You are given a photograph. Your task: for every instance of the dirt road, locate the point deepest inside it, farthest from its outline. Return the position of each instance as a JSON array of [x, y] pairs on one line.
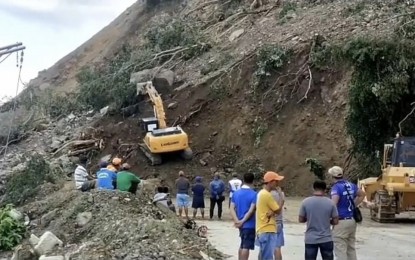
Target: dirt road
[[374, 240]]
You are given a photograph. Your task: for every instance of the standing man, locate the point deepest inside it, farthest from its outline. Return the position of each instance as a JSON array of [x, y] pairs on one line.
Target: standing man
[[83, 181], [217, 188], [279, 197], [182, 196], [343, 194], [242, 211], [234, 185], [266, 209], [198, 201], [319, 212]]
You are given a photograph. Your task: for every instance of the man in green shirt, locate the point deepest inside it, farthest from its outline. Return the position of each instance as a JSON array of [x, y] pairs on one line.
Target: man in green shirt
[[127, 181]]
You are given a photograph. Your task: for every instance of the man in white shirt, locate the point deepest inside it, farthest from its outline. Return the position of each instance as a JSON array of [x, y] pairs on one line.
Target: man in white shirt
[[234, 185], [83, 181]]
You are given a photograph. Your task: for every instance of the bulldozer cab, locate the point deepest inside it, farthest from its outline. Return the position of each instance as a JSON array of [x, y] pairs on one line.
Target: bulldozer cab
[[400, 153]]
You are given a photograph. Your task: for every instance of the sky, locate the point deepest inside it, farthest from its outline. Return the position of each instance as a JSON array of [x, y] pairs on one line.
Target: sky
[[49, 29]]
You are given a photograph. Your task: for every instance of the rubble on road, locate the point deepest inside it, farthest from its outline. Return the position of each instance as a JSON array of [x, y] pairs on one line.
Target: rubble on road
[[111, 225]]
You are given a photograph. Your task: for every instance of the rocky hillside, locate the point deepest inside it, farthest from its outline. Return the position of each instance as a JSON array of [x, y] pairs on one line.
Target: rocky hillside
[[255, 88]]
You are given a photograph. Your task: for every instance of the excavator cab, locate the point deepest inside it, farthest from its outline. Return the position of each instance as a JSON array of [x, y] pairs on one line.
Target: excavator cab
[[160, 138]]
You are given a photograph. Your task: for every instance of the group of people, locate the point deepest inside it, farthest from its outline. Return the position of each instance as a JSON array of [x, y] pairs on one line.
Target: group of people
[[110, 176], [217, 190], [329, 218], [330, 223]]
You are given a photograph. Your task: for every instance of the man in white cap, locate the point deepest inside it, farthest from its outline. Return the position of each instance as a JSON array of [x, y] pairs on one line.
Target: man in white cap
[[346, 196]]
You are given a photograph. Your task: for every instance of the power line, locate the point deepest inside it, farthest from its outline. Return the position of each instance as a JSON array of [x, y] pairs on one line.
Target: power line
[[5, 58], [14, 103]]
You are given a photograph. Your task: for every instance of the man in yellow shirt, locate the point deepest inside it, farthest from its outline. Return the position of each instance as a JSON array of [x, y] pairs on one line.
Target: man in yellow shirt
[[266, 209]]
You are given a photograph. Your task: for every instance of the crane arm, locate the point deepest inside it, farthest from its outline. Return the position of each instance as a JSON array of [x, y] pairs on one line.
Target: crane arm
[[157, 103]]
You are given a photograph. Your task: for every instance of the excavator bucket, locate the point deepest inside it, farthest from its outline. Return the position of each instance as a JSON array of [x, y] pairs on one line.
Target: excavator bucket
[[141, 88]]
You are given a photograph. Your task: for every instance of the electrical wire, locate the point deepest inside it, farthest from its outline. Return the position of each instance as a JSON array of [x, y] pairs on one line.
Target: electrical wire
[[5, 57], [14, 103]]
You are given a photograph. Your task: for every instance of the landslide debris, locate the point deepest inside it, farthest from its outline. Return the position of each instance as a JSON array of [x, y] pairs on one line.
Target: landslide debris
[[115, 225]]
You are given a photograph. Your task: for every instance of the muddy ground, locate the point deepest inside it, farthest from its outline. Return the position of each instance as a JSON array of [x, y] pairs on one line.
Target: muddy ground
[[373, 239]]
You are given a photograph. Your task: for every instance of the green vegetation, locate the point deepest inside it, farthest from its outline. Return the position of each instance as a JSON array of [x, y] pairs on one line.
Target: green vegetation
[[354, 9], [287, 12], [258, 130], [12, 231], [171, 33], [316, 168], [270, 59], [252, 165], [380, 93], [25, 184], [219, 90], [109, 83]]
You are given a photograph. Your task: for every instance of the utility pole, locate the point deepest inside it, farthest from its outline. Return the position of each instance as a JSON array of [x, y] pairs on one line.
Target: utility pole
[[11, 48]]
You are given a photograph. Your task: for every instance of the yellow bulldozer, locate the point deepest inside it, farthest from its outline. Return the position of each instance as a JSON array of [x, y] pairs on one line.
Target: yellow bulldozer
[[393, 192], [159, 138]]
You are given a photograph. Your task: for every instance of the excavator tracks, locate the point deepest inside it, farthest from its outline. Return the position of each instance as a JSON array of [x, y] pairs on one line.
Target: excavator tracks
[[155, 159], [384, 209]]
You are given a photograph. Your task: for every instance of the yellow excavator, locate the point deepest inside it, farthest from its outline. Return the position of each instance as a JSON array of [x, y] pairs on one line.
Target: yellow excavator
[[159, 138], [393, 192]]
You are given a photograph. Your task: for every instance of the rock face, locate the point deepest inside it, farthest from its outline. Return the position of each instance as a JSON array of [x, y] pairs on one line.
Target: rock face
[[47, 242]]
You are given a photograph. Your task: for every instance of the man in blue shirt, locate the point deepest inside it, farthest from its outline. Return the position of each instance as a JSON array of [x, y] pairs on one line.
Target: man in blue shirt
[[217, 188], [342, 194], [242, 210], [106, 179]]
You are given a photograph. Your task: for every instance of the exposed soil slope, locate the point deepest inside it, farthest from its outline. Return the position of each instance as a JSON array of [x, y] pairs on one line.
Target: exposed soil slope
[[303, 111]]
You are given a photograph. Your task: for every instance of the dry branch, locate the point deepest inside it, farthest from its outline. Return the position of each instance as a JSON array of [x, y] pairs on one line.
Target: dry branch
[[18, 139], [216, 75], [406, 117], [183, 120], [81, 151], [78, 145], [201, 7], [309, 85]]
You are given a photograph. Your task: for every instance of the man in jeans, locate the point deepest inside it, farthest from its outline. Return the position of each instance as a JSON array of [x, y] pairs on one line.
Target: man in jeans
[[279, 197], [266, 209], [319, 212], [217, 188], [182, 196], [242, 212], [344, 234]]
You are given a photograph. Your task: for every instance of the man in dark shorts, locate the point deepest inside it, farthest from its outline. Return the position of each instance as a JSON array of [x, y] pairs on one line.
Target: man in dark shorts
[[198, 201], [243, 214], [319, 212]]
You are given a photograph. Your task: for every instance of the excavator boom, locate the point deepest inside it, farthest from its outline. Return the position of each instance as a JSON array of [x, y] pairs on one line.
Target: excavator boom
[[150, 90], [160, 138]]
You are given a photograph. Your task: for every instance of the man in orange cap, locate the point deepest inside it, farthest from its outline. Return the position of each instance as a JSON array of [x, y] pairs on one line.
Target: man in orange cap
[[115, 165], [266, 209]]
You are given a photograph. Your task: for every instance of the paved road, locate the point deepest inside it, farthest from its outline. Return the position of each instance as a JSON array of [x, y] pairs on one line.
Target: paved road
[[375, 241]]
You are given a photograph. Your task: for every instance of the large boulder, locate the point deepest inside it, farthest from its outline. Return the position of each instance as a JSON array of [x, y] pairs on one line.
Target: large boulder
[[163, 79]]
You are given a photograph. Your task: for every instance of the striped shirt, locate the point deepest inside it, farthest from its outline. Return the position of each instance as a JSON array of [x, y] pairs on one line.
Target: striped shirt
[[80, 176]]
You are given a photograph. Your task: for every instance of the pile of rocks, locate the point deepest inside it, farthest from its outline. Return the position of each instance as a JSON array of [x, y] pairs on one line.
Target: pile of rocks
[[113, 225]]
